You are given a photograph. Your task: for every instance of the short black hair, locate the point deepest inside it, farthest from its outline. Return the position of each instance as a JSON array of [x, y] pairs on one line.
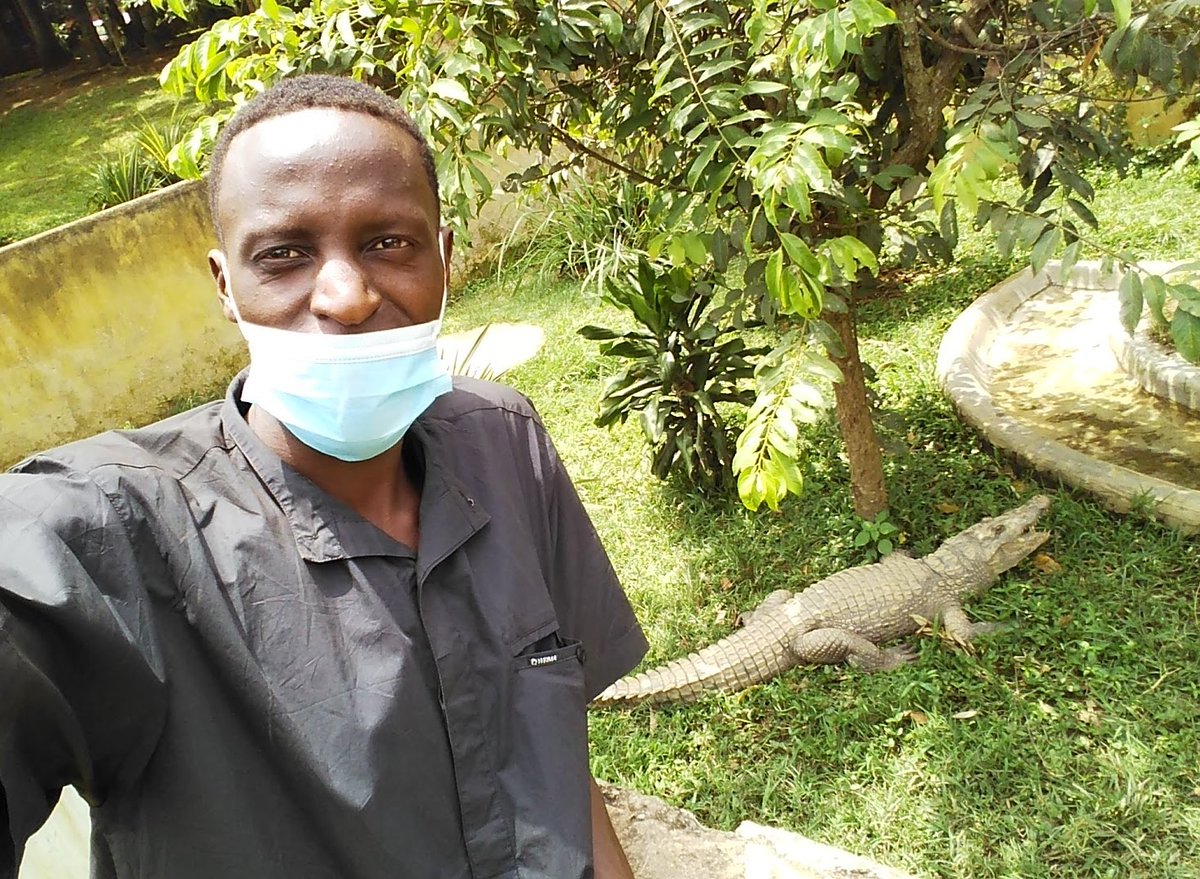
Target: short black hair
[[306, 92]]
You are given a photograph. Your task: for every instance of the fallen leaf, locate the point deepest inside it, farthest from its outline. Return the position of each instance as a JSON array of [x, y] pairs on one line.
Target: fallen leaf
[[964, 715], [1046, 563], [721, 615], [1047, 709], [948, 508], [1089, 715]]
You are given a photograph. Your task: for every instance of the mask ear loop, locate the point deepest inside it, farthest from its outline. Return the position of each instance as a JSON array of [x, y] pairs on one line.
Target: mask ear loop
[[445, 279], [229, 291]]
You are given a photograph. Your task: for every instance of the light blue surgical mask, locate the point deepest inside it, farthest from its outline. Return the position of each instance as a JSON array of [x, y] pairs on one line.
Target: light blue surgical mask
[[351, 395]]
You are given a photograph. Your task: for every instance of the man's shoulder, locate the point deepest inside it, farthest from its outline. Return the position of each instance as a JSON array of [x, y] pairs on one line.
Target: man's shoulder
[[171, 447], [477, 400]]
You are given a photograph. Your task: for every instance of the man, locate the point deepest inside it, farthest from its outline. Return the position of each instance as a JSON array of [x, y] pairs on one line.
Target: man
[[343, 624]]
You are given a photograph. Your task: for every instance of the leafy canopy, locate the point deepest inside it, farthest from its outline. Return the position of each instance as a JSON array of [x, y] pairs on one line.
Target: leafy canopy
[[784, 146]]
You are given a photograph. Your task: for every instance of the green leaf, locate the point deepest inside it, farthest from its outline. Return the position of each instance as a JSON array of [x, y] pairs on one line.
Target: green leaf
[[800, 254], [763, 87], [597, 334], [270, 9], [693, 246], [677, 251], [1031, 120], [345, 28], [701, 161], [612, 23], [1154, 291], [451, 90], [774, 274], [1044, 249], [1121, 12], [751, 489], [1130, 294], [1069, 258], [1185, 332], [835, 38], [1083, 212]]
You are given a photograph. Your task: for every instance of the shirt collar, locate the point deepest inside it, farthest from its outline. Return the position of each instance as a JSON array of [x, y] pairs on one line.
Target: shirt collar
[[327, 530]]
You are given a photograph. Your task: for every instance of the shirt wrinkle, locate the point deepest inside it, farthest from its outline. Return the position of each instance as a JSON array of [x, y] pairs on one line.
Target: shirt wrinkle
[[329, 702]]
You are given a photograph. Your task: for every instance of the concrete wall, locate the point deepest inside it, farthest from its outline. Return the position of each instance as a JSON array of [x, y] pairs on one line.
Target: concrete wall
[[105, 320]]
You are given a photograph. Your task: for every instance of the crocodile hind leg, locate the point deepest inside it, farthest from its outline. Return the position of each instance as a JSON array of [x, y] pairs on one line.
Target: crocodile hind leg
[[776, 598], [830, 646]]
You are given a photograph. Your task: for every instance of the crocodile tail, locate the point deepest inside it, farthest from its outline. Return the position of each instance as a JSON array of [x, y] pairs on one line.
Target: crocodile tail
[[731, 663]]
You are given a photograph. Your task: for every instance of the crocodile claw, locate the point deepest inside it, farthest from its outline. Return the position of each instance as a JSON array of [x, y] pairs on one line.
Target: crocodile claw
[[894, 657]]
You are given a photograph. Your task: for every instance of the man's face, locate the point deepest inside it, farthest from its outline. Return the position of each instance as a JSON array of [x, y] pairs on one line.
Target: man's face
[[330, 226]]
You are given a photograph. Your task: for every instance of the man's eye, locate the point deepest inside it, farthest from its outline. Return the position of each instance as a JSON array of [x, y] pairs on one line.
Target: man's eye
[[282, 253], [390, 243]]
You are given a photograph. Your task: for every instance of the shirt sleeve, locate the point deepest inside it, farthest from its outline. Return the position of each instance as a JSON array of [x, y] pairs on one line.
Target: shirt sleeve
[[588, 598], [81, 687]]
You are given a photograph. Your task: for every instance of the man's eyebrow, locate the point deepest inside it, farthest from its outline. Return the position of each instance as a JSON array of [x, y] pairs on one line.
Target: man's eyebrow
[[264, 234]]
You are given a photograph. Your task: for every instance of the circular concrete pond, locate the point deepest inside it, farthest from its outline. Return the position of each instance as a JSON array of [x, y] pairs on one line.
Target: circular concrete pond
[[1031, 365]]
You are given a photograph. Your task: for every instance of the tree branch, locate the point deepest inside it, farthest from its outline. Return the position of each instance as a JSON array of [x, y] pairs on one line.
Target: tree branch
[[580, 147], [928, 89]]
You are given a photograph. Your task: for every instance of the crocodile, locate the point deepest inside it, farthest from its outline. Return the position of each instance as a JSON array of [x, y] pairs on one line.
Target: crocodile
[[846, 616]]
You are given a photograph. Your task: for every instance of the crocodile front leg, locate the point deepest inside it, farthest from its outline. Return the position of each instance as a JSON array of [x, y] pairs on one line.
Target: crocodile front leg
[[960, 628], [831, 646]]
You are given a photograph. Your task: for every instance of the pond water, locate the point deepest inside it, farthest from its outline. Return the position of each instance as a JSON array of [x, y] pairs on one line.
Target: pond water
[[1053, 368]]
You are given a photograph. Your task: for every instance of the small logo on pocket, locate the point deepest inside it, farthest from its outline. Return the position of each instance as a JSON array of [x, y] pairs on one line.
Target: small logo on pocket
[[543, 660]]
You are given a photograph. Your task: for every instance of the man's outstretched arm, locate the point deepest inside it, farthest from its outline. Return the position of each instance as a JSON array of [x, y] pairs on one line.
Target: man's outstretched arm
[[607, 853]]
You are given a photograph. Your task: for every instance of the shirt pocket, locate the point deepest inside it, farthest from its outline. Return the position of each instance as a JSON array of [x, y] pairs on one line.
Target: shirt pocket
[[550, 650], [546, 771]]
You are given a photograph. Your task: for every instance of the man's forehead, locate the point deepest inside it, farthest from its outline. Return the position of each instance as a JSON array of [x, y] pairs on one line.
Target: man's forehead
[[298, 134], [282, 157]]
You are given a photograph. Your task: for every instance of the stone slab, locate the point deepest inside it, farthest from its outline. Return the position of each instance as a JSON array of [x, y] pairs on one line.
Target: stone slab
[[665, 842]]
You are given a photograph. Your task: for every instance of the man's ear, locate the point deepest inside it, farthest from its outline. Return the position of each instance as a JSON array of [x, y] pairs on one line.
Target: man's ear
[[447, 236], [219, 269]]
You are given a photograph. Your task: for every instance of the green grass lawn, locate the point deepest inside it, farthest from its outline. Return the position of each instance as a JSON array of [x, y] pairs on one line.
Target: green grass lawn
[[1068, 746], [51, 141]]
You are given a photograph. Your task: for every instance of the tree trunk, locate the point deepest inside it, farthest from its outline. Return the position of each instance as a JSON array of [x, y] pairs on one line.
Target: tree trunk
[[854, 419], [93, 49], [135, 33], [928, 88], [50, 52], [114, 26], [150, 27], [11, 60]]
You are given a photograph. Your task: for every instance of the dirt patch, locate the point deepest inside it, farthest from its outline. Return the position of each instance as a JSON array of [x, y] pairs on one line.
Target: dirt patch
[[59, 86]]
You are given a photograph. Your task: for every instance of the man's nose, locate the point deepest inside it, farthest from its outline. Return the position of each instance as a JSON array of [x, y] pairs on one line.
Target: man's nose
[[342, 293]]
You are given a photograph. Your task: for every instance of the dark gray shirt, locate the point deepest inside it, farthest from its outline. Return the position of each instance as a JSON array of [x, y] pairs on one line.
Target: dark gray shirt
[[246, 678]]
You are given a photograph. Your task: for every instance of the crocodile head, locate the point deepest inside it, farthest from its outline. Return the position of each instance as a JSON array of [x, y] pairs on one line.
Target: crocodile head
[[1001, 541]]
